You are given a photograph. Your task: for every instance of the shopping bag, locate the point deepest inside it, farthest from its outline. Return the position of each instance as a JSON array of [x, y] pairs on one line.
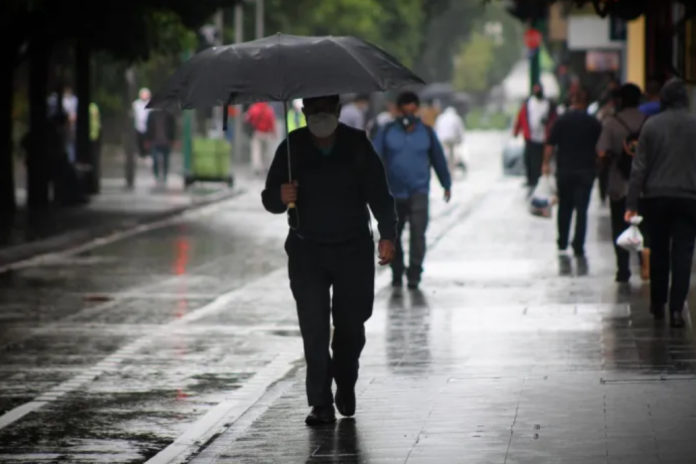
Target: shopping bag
[[543, 197], [631, 239]]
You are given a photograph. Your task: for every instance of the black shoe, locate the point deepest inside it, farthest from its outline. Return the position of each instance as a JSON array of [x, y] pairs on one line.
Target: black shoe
[[345, 401], [623, 277], [397, 283], [676, 320], [658, 312], [413, 285], [321, 415]]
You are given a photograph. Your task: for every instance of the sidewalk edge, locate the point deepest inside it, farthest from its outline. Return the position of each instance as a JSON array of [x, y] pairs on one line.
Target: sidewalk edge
[[14, 255]]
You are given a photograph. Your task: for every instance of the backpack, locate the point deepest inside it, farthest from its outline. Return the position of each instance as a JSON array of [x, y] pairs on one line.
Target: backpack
[[630, 145], [431, 136]]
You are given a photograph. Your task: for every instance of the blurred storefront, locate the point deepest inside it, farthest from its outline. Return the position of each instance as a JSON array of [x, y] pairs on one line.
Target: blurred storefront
[[635, 40]]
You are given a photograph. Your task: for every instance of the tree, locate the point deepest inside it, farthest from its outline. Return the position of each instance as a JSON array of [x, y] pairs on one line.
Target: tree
[[127, 29], [490, 52], [445, 23], [473, 63], [392, 25]]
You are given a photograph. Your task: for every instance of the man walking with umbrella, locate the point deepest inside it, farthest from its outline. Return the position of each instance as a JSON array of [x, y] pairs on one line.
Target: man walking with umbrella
[[337, 175]]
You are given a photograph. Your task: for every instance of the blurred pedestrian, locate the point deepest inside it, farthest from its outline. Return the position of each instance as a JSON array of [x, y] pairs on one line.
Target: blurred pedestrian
[[353, 114], [262, 120], [409, 149], [449, 128], [337, 175], [159, 140], [70, 108], [95, 132], [429, 113], [664, 174], [534, 121], [383, 118], [652, 91], [574, 139], [613, 148], [140, 115], [296, 118]]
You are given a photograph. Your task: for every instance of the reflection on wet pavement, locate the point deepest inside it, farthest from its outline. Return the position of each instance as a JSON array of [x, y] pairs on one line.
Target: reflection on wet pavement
[[506, 355]]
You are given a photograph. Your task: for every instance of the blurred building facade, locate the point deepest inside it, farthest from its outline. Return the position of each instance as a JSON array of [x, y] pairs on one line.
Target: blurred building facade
[[634, 40]]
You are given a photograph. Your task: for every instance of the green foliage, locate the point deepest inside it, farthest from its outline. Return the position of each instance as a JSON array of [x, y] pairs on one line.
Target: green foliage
[[392, 25], [484, 60], [478, 119], [473, 63]]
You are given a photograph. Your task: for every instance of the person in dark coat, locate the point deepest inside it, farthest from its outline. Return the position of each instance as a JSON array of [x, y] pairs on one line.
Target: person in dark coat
[[663, 176], [337, 179], [160, 139]]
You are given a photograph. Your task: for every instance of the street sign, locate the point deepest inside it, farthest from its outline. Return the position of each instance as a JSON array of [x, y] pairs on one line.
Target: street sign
[[532, 39]]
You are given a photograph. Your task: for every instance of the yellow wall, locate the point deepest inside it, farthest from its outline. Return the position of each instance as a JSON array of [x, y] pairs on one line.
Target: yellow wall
[[635, 52]]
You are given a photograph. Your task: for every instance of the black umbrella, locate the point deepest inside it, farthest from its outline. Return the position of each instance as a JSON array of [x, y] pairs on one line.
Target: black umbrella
[[282, 68]]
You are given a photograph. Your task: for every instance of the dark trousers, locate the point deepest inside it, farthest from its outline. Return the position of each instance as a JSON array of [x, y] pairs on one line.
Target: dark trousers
[[160, 161], [574, 192], [603, 181], [533, 161], [314, 270], [415, 211], [140, 141], [618, 226], [671, 225]]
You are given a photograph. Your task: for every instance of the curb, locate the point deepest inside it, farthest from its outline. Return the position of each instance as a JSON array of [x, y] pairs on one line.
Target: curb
[[15, 254]]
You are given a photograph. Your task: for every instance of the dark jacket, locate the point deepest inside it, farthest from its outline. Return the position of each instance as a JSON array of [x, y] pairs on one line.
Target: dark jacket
[[168, 124], [334, 189], [665, 163]]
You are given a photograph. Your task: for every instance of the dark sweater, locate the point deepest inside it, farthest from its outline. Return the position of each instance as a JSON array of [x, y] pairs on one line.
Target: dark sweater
[[334, 190], [665, 163]]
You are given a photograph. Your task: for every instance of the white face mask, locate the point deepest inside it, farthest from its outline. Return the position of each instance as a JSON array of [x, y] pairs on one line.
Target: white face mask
[[322, 125]]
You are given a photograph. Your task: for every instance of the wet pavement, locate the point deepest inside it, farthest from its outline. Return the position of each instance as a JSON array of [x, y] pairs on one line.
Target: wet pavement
[[114, 209], [181, 343]]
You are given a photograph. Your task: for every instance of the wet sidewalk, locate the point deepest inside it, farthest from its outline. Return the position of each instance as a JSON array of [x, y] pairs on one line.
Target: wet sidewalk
[[507, 355], [114, 209]]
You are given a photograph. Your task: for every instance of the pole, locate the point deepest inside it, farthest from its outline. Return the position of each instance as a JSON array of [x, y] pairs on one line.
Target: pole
[[186, 133], [238, 127], [130, 143], [260, 13], [535, 60], [219, 26]]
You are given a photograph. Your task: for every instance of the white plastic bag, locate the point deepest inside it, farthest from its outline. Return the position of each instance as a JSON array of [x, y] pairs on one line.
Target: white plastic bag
[[631, 239], [543, 197]]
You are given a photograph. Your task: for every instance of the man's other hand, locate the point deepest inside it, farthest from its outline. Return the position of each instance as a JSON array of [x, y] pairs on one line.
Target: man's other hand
[[386, 252], [288, 193], [448, 196]]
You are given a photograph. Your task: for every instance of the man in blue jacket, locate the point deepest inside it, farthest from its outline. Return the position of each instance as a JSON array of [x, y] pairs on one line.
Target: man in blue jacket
[[408, 149]]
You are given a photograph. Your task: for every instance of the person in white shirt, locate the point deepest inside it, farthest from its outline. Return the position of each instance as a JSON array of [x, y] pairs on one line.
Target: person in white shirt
[[534, 121], [70, 109], [140, 115], [449, 128]]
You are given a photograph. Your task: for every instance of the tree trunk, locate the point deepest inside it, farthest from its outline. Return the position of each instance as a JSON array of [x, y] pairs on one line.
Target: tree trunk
[[85, 154], [38, 171], [8, 203]]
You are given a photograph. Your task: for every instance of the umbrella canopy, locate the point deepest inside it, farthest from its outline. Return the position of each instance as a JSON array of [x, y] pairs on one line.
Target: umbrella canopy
[[282, 68]]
